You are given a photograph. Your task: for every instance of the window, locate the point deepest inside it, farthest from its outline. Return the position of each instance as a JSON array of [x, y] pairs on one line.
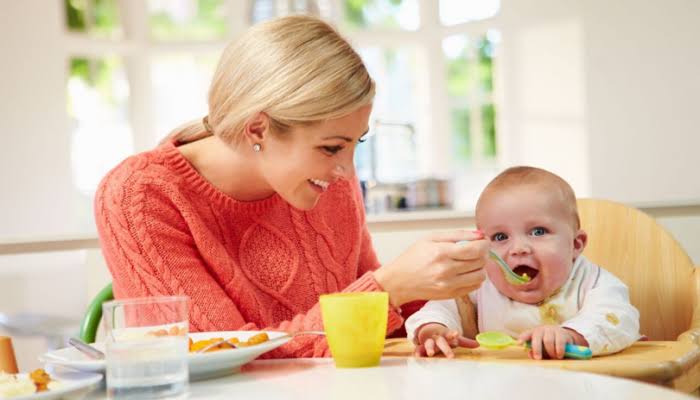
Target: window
[[453, 12], [97, 18], [470, 92], [381, 14], [187, 19], [98, 94], [142, 76], [175, 100]]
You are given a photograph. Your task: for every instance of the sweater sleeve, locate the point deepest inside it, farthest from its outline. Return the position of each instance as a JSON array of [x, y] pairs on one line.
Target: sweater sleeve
[[151, 252], [607, 319]]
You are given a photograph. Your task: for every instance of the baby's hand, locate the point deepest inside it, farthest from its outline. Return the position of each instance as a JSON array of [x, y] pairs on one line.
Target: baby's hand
[[433, 336], [550, 339]]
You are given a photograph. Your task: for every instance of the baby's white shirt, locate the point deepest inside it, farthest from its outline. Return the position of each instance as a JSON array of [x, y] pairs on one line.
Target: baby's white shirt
[[593, 302]]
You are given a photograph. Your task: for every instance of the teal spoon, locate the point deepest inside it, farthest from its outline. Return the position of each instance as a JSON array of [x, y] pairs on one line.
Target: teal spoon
[[511, 277]]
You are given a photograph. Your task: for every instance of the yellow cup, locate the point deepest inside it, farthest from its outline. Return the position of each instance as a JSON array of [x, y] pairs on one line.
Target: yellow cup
[[355, 325]]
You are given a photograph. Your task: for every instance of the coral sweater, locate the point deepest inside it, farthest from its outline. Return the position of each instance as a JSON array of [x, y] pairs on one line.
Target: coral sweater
[[165, 230]]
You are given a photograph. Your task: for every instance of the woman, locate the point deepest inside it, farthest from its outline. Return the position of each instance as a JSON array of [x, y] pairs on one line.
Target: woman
[[255, 211]]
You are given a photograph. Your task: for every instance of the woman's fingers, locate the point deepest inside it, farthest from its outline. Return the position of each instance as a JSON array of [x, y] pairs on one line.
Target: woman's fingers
[[463, 284], [471, 251]]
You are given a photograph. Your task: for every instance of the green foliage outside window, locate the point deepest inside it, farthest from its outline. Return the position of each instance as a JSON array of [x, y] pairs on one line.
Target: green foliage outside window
[[461, 139], [357, 13], [208, 22], [466, 75], [97, 73], [488, 120], [97, 17]]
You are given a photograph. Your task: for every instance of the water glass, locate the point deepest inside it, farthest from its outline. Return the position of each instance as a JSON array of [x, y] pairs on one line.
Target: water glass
[[355, 325], [146, 348]]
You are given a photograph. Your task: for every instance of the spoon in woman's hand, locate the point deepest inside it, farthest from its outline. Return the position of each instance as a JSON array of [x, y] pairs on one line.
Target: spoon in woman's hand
[[511, 277]]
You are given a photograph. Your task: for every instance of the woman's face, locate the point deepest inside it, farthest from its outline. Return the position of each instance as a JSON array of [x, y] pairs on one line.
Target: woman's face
[[301, 164]]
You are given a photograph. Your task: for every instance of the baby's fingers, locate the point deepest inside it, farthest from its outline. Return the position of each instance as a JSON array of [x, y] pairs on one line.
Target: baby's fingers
[[430, 347], [525, 336], [420, 350], [562, 339], [444, 347], [549, 341], [466, 342], [536, 341]]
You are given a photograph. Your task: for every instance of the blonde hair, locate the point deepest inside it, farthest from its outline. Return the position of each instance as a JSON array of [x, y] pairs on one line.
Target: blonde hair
[[524, 175], [297, 69]]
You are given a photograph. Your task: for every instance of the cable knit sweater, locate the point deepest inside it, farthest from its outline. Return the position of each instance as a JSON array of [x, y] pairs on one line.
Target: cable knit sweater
[[165, 230]]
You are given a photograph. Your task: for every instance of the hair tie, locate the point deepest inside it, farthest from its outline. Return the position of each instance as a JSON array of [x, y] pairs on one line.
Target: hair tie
[[207, 127]]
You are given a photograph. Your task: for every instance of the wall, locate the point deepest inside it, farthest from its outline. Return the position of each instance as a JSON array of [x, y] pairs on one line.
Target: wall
[[643, 94], [605, 94], [35, 155]]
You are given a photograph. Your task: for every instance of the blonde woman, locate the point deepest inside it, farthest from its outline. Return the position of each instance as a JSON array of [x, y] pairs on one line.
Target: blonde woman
[[255, 211]]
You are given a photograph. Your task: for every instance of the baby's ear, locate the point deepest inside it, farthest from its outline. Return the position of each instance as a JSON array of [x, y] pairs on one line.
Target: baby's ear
[[580, 241]]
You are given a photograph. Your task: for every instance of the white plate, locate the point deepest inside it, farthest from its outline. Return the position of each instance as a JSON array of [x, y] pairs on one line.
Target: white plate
[[72, 383], [202, 366]]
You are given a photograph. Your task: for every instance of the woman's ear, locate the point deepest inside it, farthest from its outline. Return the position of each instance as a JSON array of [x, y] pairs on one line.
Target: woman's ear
[[256, 128], [580, 241]]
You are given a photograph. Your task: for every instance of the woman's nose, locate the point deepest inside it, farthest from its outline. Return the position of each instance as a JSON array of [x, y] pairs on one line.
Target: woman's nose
[[344, 170]]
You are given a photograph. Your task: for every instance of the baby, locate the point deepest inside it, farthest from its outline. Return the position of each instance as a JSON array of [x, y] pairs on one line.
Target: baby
[[531, 219]]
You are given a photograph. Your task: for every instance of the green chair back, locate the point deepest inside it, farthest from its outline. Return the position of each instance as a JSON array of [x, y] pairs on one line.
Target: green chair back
[[93, 315]]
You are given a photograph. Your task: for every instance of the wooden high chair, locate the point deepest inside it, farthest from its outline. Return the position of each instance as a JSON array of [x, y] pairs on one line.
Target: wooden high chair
[[664, 284]]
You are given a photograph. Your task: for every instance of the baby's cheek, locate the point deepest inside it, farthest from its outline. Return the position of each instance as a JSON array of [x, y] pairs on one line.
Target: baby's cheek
[[556, 277], [493, 273]]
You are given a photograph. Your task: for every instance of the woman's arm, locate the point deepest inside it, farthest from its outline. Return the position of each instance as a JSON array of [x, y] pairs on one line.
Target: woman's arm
[[151, 252]]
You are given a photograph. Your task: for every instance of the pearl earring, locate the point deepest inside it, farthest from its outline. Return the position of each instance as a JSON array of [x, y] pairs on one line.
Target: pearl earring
[[257, 147]]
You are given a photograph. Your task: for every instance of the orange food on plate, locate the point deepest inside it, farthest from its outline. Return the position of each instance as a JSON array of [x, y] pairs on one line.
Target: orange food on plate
[[41, 379], [230, 343]]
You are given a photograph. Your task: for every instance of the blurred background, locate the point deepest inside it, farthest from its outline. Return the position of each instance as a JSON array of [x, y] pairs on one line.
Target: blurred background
[[602, 93]]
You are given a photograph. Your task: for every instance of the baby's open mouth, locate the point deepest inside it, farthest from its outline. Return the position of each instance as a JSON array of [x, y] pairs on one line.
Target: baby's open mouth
[[526, 269]]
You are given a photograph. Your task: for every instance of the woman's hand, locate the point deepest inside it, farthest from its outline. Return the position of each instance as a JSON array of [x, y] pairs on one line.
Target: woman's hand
[[435, 338], [436, 268]]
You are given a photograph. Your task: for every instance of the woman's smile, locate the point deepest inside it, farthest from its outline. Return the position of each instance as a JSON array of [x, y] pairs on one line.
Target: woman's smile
[[319, 185]]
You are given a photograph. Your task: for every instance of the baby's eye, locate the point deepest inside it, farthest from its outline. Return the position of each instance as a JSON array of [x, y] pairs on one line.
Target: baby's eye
[[499, 237], [332, 149], [539, 231]]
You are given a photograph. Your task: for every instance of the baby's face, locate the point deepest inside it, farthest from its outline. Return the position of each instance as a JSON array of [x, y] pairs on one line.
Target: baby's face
[[533, 232]]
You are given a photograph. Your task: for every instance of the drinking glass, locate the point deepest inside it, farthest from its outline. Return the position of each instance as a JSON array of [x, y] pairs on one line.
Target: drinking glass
[[146, 348], [355, 325]]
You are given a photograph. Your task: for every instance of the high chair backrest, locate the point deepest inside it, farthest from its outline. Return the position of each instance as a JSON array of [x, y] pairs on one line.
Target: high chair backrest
[[664, 284]]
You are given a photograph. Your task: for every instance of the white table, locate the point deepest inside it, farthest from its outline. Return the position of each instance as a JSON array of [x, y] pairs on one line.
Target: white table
[[423, 379]]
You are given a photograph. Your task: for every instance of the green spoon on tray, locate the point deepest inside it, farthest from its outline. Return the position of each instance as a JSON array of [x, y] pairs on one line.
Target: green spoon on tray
[[500, 340]]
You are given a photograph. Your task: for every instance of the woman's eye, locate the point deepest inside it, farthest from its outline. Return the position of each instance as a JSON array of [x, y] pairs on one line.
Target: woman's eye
[[332, 149], [499, 237], [539, 231], [362, 139]]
